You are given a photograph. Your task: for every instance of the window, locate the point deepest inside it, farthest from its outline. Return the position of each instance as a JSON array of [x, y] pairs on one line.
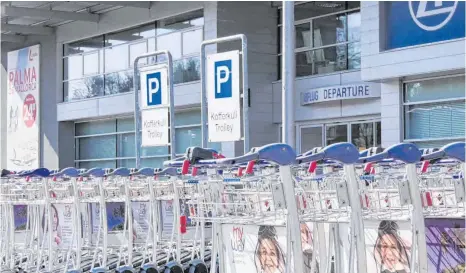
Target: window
[[327, 37], [363, 134], [103, 65], [434, 111], [111, 143]]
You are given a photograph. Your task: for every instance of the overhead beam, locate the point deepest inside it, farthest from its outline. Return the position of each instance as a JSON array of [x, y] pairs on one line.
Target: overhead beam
[[49, 14], [37, 30], [18, 39], [133, 4]]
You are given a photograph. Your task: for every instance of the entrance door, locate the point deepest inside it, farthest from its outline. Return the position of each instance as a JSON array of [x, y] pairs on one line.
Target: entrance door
[[311, 137]]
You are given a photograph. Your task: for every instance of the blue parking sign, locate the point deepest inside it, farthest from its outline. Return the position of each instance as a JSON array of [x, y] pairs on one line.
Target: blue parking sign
[[154, 89], [223, 81]]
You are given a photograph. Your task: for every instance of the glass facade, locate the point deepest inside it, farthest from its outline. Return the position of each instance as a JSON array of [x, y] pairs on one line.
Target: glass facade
[[327, 36], [363, 134], [111, 143], [434, 111], [102, 65]]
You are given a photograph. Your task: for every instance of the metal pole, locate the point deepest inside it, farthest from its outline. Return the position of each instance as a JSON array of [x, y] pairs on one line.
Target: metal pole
[[288, 74], [244, 53], [137, 110]]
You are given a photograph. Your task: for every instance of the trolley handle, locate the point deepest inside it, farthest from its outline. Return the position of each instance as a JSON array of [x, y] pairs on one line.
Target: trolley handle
[[171, 171], [144, 172], [278, 153], [95, 172], [119, 172], [41, 172], [405, 152], [453, 150], [69, 172], [343, 152]]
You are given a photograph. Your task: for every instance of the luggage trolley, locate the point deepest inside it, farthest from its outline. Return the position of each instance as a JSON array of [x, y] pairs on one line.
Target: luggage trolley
[[326, 201], [442, 182], [262, 199], [22, 199], [392, 209]]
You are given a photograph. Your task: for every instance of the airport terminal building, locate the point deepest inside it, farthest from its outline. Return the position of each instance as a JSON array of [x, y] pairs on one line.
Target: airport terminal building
[[370, 73]]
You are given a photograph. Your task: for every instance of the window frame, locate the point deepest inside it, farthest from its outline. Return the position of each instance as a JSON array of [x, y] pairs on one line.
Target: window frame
[[406, 104], [311, 48], [101, 56]]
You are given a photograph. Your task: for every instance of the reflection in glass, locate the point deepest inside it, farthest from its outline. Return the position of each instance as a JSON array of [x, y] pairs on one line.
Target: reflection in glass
[[317, 8], [84, 88], [329, 30], [304, 63], [130, 35], [119, 82], [116, 58], [435, 120], [303, 35], [336, 133], [362, 135], [126, 163], [91, 63], [435, 89], [186, 70], [73, 67], [354, 26], [330, 59], [125, 145], [182, 21], [95, 127], [311, 137], [84, 46], [187, 137], [153, 162], [97, 147], [96, 164], [354, 55]]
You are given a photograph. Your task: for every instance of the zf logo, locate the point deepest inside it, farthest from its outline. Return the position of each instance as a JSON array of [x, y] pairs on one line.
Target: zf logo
[[432, 15], [154, 92], [223, 84]]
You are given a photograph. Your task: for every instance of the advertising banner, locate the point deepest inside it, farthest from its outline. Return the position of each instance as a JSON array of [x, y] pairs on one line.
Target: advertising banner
[[445, 245], [223, 97], [23, 108], [254, 249]]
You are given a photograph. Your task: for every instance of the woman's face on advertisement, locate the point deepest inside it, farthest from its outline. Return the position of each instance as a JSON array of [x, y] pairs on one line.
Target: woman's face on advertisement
[[268, 256], [389, 252], [55, 218], [304, 235]]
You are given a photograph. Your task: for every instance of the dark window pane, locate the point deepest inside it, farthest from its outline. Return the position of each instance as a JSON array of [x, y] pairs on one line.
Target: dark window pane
[[84, 46], [156, 162], [130, 35], [378, 133], [303, 35], [186, 70], [188, 118], [317, 8], [187, 137], [354, 55], [182, 21], [362, 135], [330, 59], [84, 88], [329, 30], [125, 124], [119, 82], [353, 4], [336, 133], [311, 137], [126, 163], [125, 145], [304, 63], [97, 164]]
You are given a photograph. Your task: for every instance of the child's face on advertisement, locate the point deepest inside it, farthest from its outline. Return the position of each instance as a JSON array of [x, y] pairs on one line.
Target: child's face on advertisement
[[268, 256]]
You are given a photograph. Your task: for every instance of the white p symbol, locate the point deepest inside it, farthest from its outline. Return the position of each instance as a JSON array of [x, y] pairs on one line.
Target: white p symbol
[[153, 88], [223, 74]]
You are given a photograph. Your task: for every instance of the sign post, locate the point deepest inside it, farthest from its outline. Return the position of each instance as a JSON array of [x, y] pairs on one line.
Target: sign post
[[154, 113], [220, 91]]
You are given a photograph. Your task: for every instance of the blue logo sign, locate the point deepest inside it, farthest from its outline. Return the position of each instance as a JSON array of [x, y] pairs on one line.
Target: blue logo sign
[[223, 83], [411, 23], [154, 89]]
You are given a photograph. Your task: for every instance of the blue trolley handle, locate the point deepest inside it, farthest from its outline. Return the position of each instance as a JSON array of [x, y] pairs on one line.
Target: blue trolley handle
[[405, 152], [278, 153], [41, 172], [95, 172], [171, 171], [343, 152], [143, 172], [453, 150]]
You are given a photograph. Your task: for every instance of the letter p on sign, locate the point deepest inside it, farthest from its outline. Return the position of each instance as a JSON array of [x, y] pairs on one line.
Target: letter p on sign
[[154, 92], [223, 83]]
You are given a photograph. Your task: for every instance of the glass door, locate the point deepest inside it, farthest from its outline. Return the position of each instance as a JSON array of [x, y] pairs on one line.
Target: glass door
[[336, 133], [311, 137]]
